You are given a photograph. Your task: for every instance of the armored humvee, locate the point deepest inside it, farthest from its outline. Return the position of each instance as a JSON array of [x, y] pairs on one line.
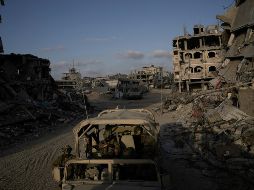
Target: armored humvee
[[117, 133], [114, 150]]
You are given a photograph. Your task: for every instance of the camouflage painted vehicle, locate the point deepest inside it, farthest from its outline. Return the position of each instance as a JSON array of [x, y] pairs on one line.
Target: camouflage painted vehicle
[[111, 174], [117, 133]]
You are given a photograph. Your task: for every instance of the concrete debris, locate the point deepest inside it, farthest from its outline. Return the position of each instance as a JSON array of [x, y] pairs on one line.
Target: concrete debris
[[30, 103], [220, 133], [239, 46]]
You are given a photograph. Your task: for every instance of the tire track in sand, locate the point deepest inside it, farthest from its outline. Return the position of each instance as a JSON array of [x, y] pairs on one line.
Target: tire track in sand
[[31, 168]]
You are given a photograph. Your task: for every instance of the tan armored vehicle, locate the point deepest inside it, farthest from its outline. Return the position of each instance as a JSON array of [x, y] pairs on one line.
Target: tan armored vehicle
[[114, 150], [117, 133], [109, 174]]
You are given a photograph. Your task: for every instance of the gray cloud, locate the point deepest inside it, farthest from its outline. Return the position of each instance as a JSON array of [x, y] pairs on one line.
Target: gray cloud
[[161, 54], [50, 49], [131, 54]]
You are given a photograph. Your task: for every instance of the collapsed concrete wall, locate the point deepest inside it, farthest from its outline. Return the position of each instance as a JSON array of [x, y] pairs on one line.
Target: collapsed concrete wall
[[238, 27], [30, 103], [246, 100], [26, 74], [221, 134]]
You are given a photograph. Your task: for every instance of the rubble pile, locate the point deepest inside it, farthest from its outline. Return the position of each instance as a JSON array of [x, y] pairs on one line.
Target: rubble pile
[[30, 103], [221, 134], [176, 100]]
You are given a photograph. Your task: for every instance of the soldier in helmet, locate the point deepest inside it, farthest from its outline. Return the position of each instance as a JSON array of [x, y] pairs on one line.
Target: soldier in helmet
[[61, 160]]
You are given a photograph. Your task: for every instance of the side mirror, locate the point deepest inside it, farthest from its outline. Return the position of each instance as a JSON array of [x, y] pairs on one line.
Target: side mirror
[[165, 181], [57, 174]]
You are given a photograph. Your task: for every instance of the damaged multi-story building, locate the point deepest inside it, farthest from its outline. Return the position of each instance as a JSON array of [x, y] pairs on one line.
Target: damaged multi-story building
[[238, 66], [238, 25], [71, 80], [196, 57], [27, 75], [151, 76]]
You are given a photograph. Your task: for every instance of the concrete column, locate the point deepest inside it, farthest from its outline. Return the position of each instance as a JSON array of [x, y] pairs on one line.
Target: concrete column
[[188, 86], [231, 39], [185, 45], [180, 87], [200, 43]]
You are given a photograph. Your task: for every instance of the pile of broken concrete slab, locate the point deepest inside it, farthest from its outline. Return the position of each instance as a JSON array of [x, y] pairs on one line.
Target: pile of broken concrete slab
[[30, 103], [220, 133]]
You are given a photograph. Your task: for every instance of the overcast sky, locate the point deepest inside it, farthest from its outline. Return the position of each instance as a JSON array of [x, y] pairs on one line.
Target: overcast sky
[[102, 36]]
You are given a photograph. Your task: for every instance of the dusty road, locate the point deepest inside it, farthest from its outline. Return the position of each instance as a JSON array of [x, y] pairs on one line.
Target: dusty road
[[30, 167]]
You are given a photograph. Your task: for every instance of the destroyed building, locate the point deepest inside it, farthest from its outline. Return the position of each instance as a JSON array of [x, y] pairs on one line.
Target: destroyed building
[[238, 24], [71, 80], [196, 57], [238, 66], [25, 74], [30, 103], [129, 89], [151, 76]]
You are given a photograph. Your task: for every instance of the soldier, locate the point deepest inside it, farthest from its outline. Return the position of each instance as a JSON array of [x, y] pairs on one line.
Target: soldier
[[61, 160], [88, 146]]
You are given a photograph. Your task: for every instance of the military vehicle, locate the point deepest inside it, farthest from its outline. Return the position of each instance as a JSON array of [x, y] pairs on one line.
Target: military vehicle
[[109, 174], [114, 150], [117, 133]]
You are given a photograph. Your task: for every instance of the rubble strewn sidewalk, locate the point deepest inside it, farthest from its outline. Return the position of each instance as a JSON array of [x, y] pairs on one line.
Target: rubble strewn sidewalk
[[217, 134]]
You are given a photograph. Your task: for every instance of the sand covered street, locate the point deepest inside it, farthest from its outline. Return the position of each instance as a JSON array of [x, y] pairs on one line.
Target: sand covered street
[[29, 166]]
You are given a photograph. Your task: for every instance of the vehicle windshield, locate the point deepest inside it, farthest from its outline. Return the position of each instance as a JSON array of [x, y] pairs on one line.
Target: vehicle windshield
[[87, 172], [134, 172], [116, 141]]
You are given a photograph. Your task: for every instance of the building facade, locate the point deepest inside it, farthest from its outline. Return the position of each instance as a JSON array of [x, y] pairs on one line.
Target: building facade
[[151, 76], [196, 57]]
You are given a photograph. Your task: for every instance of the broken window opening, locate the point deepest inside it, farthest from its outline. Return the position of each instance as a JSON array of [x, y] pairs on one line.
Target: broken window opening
[[212, 69], [197, 55], [211, 54], [181, 44], [188, 56], [196, 30], [181, 57], [212, 41], [175, 43], [193, 43], [198, 69]]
